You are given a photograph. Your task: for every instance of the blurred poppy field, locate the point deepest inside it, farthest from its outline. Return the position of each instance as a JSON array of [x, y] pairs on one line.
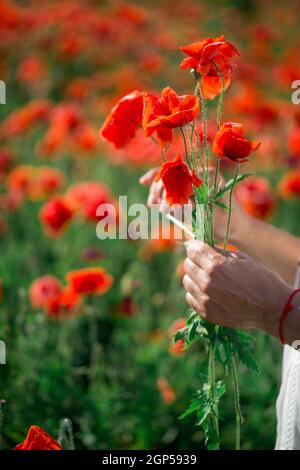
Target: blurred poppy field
[[88, 323]]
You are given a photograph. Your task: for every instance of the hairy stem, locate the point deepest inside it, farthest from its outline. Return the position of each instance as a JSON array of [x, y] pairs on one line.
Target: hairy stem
[[230, 207], [238, 413]]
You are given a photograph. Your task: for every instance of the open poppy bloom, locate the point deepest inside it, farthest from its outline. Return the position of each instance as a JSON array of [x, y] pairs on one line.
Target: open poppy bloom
[[230, 143], [163, 114], [178, 181], [206, 57], [55, 215], [38, 439], [126, 116], [90, 281]]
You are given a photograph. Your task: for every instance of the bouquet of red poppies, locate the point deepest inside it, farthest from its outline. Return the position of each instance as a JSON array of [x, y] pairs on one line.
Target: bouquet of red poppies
[[195, 173]]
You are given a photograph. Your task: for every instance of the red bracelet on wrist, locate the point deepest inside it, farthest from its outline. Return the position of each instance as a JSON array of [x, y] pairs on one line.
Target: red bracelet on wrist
[[287, 308]]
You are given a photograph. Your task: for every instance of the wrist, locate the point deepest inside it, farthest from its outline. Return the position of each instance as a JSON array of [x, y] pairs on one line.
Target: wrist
[[290, 323], [272, 317]]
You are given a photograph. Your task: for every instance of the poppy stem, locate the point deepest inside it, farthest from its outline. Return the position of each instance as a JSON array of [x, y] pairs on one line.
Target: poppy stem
[[238, 413], [230, 206], [219, 118], [206, 152], [212, 383], [185, 148], [192, 125]]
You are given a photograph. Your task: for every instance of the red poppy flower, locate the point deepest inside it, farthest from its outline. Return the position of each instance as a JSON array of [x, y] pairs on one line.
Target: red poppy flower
[[90, 281], [55, 215], [165, 389], [85, 198], [48, 180], [31, 70], [163, 114], [65, 304], [204, 56], [230, 143], [21, 119], [6, 161], [294, 142], [43, 289], [203, 53], [255, 196], [176, 349], [21, 178], [86, 138], [289, 186], [126, 116], [38, 439], [178, 181]]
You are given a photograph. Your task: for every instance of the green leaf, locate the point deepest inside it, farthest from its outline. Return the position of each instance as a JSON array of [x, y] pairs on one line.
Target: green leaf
[[221, 204], [229, 184]]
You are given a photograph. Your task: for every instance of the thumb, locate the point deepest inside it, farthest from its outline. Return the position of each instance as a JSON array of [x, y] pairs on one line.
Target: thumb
[[148, 177]]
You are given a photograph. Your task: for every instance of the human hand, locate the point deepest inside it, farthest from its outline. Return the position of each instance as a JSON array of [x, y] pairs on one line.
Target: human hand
[[233, 290]]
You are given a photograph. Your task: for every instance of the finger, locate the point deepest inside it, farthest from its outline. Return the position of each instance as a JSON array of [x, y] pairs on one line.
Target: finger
[[192, 302], [148, 177], [155, 193], [191, 287], [231, 254], [202, 254], [197, 274], [164, 207]]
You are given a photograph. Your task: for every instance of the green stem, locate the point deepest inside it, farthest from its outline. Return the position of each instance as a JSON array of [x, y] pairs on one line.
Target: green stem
[[219, 118], [238, 413], [192, 151], [197, 146], [230, 207], [186, 148], [205, 143], [212, 383]]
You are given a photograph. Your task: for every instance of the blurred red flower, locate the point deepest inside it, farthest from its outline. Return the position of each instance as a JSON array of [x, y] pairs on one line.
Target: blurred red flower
[[38, 439], [86, 138], [294, 142], [43, 289], [177, 348], [64, 304], [55, 215], [163, 114], [85, 197], [126, 116], [165, 389], [48, 180], [21, 179], [206, 57], [178, 181], [6, 161], [230, 143], [21, 119], [31, 69], [289, 186], [90, 281], [255, 196]]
